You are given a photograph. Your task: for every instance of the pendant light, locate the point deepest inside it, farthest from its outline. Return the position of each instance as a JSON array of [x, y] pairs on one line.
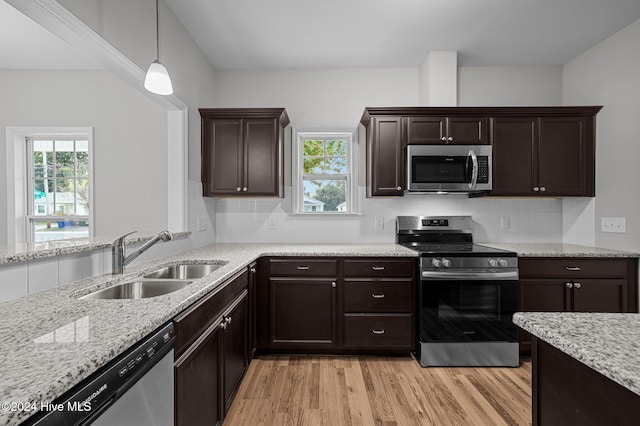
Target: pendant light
[[157, 79]]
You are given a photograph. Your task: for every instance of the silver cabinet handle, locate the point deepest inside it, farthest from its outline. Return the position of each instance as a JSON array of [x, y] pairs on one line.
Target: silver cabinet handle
[[253, 270], [333, 284], [229, 320], [378, 296], [303, 268], [238, 189], [223, 325], [399, 188], [569, 285], [572, 268], [378, 331], [536, 189], [245, 189], [450, 138], [444, 138], [577, 285], [542, 189], [378, 268]]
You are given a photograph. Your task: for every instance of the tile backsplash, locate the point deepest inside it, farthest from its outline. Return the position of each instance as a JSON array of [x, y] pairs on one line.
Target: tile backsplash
[[495, 219]]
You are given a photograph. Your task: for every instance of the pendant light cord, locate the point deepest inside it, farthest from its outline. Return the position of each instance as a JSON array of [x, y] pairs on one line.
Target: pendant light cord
[[157, 33]]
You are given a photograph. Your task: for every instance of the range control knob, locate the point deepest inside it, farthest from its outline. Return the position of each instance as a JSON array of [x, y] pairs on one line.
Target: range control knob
[[446, 263], [502, 262], [436, 263], [493, 262]]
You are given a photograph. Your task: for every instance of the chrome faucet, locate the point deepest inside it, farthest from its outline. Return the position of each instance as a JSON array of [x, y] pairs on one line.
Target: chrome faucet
[[119, 260]]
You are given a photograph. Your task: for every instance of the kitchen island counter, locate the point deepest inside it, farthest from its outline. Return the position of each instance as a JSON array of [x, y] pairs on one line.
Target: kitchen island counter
[[586, 367], [52, 341]]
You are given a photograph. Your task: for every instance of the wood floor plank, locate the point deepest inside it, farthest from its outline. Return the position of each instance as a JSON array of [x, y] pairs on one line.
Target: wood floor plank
[[385, 391]]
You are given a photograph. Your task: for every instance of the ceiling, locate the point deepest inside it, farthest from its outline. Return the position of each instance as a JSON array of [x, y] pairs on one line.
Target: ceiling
[[398, 33], [271, 34]]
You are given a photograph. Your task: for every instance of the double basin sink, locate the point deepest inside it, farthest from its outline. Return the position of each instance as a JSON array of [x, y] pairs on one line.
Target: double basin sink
[[157, 283]]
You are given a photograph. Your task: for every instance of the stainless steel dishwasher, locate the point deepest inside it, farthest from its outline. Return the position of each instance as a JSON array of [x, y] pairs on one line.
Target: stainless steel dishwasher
[[135, 389]]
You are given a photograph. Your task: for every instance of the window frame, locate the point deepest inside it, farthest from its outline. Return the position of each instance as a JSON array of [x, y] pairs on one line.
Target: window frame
[[297, 169], [31, 217]]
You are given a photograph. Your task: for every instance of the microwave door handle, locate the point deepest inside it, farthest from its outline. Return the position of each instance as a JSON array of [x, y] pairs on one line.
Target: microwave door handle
[[474, 172]]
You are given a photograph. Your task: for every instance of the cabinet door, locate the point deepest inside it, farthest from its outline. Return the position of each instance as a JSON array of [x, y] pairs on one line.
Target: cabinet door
[[514, 156], [427, 130], [222, 156], [262, 157], [565, 161], [197, 381], [385, 160], [541, 296], [467, 130], [594, 295], [235, 349], [302, 312]]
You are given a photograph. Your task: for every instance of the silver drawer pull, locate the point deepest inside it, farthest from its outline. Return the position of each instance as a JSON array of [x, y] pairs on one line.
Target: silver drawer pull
[[303, 268], [577, 285], [378, 331], [569, 285], [572, 268], [378, 268], [378, 296]]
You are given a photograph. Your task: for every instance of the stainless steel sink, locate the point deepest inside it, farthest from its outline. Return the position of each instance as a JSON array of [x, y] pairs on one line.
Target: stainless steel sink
[[139, 289], [184, 271]]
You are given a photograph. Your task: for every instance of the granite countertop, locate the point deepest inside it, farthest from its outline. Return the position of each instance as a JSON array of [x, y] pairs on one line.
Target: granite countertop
[[29, 251], [559, 250], [51, 340], [607, 342]]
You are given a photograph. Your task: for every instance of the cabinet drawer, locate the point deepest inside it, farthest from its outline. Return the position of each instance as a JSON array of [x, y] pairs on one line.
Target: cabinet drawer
[[192, 322], [384, 295], [572, 268], [381, 331], [303, 267], [379, 268]]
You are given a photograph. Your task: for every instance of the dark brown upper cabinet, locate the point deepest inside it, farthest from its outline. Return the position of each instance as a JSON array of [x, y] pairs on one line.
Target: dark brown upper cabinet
[[242, 151], [549, 154], [437, 130], [537, 151], [386, 174]]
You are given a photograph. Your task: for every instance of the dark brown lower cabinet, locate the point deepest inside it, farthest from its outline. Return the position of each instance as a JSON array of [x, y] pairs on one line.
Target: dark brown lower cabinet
[[567, 392], [303, 312], [197, 381], [212, 353], [576, 285]]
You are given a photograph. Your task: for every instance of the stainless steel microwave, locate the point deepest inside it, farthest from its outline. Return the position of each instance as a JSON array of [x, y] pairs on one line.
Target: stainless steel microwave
[[448, 168]]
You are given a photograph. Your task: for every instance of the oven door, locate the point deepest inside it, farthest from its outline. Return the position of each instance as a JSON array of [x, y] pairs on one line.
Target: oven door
[[468, 306]]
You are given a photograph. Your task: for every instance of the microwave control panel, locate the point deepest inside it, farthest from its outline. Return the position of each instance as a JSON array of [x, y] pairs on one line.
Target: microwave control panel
[[483, 169]]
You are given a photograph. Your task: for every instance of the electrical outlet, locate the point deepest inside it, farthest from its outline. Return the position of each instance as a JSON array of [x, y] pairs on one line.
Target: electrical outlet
[[271, 224], [614, 224], [379, 222], [202, 224], [505, 222]]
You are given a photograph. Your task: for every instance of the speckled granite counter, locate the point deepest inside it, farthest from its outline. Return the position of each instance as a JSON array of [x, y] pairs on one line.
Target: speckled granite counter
[[559, 250], [28, 251], [608, 343], [51, 341]]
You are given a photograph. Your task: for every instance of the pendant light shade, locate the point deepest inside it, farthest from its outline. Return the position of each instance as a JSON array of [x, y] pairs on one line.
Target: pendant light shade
[[157, 79]]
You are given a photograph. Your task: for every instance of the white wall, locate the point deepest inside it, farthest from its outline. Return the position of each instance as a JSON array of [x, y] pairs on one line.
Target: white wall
[[509, 86], [337, 98], [608, 75], [129, 140]]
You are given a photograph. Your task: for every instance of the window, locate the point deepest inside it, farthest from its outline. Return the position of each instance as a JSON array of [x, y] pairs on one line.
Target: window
[[323, 172], [58, 195]]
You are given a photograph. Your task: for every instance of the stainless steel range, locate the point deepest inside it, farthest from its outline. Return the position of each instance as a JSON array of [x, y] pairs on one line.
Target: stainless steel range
[[467, 294]]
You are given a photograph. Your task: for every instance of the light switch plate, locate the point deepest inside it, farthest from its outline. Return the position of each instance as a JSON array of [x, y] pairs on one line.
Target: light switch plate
[[505, 222], [614, 224]]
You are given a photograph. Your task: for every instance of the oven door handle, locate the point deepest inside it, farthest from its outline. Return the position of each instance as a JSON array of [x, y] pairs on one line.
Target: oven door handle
[[505, 275]]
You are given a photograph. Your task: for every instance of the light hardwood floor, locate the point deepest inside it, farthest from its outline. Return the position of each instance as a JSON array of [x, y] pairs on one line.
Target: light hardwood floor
[[332, 390]]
